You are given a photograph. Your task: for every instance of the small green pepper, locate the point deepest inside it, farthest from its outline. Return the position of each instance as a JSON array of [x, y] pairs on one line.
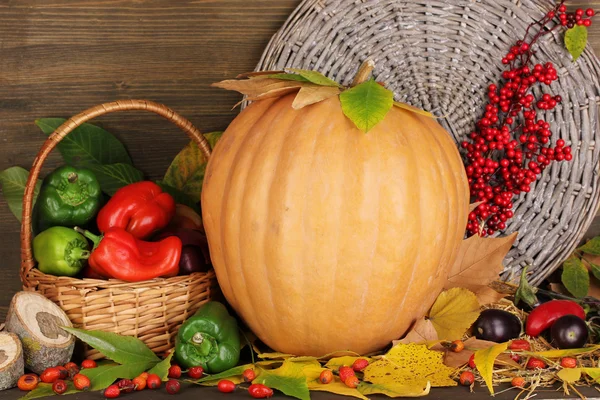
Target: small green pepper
[[60, 251], [69, 197], [210, 339]]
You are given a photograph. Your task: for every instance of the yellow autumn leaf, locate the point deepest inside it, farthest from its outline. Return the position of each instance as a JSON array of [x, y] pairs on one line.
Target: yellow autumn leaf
[[273, 356], [593, 373], [395, 389], [569, 375], [564, 352], [484, 361], [337, 362], [454, 312], [410, 364], [312, 370]]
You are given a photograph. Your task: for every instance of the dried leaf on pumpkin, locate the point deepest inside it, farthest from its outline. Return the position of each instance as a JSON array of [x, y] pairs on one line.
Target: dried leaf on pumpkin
[[422, 331], [484, 361], [313, 94], [478, 263], [394, 389], [410, 364], [453, 313]]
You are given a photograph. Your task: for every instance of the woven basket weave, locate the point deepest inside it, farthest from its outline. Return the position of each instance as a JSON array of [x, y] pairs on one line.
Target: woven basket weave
[[441, 56], [150, 310]]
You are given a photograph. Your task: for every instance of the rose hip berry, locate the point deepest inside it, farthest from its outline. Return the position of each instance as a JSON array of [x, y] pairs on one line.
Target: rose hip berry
[[72, 368], [249, 375], [457, 346], [535, 363], [175, 371], [360, 364], [259, 391], [225, 386], [345, 372], [139, 382], [50, 375], [518, 381], [153, 381], [326, 376], [28, 382], [88, 364], [126, 385], [352, 381], [195, 372], [173, 386], [59, 387], [112, 392], [519, 344], [472, 361], [568, 362], [81, 382], [466, 378], [64, 373]]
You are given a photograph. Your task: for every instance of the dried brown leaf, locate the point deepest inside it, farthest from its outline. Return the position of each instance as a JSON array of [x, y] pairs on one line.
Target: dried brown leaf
[[257, 87], [313, 94], [487, 295], [456, 360], [479, 262], [421, 332]]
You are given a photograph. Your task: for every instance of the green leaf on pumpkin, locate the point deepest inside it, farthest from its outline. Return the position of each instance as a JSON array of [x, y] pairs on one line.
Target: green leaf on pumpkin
[[367, 104], [576, 40], [575, 277]]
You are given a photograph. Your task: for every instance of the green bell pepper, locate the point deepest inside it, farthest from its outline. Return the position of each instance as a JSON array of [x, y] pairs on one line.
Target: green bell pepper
[[69, 197], [60, 251], [210, 339]]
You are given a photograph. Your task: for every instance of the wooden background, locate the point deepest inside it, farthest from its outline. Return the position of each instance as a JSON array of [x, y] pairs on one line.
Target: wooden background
[[60, 57]]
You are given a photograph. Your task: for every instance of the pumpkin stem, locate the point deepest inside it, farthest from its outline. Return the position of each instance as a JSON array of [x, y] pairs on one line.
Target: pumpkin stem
[[364, 72]]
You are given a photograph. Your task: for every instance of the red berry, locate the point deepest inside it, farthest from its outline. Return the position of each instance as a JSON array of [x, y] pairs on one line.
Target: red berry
[[88, 364], [590, 12], [568, 362], [587, 23], [344, 372], [50, 375], [112, 392], [72, 368], [59, 387], [153, 381], [174, 371], [249, 375], [326, 376], [519, 344], [360, 364], [139, 382], [81, 382], [517, 381], [225, 386], [64, 373], [28, 382], [562, 8], [579, 12], [259, 391], [467, 378], [173, 386], [195, 372], [535, 363], [472, 361], [126, 385]]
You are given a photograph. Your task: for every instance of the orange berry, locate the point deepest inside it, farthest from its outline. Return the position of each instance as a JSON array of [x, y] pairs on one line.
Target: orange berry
[[88, 364], [472, 361], [81, 382], [139, 382], [535, 363], [144, 375], [249, 375], [28, 382], [568, 362], [519, 344], [360, 364], [112, 392], [345, 372], [466, 378], [517, 381], [50, 375], [326, 376], [352, 381], [457, 346]]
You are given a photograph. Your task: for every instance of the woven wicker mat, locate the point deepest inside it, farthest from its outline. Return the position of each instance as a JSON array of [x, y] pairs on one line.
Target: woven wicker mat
[[441, 56]]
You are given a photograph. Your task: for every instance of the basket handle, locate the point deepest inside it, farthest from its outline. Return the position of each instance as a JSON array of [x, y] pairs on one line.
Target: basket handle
[[27, 261]]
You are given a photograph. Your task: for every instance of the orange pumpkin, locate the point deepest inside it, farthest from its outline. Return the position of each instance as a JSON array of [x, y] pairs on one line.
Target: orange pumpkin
[[327, 238]]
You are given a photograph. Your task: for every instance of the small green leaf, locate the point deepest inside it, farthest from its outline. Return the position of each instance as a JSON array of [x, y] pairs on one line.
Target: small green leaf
[[289, 77], [576, 40], [592, 246], [595, 269], [525, 292], [103, 376], [119, 348], [575, 277], [113, 177], [235, 371], [186, 172], [45, 390], [367, 104], [13, 182], [213, 138], [315, 77], [289, 379], [180, 197], [87, 144], [162, 368]]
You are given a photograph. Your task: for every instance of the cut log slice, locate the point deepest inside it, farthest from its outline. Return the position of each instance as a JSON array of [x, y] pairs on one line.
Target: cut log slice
[[11, 360], [37, 322]]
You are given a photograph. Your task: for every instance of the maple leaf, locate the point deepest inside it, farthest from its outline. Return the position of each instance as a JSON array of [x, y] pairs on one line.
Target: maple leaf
[[478, 263], [422, 331], [412, 365], [453, 312]]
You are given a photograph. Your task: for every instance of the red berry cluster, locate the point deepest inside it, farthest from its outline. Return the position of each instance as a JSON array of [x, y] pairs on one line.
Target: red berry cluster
[[510, 147], [571, 19]]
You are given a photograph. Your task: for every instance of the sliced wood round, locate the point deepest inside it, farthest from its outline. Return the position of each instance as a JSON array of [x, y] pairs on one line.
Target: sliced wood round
[[11, 360]]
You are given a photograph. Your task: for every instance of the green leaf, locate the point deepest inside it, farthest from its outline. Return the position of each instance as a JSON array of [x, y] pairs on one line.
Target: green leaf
[[235, 371], [213, 138], [394, 389], [87, 144], [575, 277], [104, 376], [186, 172], [525, 292], [592, 246], [113, 177], [13, 182], [576, 40], [180, 197], [45, 390], [162, 368], [593, 373], [289, 379], [313, 77], [595, 269], [367, 104], [121, 349]]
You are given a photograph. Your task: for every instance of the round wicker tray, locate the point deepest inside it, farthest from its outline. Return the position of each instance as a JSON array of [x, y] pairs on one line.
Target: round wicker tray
[[441, 56]]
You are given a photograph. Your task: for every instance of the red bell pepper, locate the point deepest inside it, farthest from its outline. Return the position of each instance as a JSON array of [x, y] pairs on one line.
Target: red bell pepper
[[543, 316], [118, 254], [140, 208]]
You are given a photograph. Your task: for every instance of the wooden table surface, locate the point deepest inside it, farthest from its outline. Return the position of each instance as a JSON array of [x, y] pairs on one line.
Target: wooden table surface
[[60, 57]]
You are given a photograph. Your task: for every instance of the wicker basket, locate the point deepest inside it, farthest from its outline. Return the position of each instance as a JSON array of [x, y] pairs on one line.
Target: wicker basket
[[150, 310], [441, 55]]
